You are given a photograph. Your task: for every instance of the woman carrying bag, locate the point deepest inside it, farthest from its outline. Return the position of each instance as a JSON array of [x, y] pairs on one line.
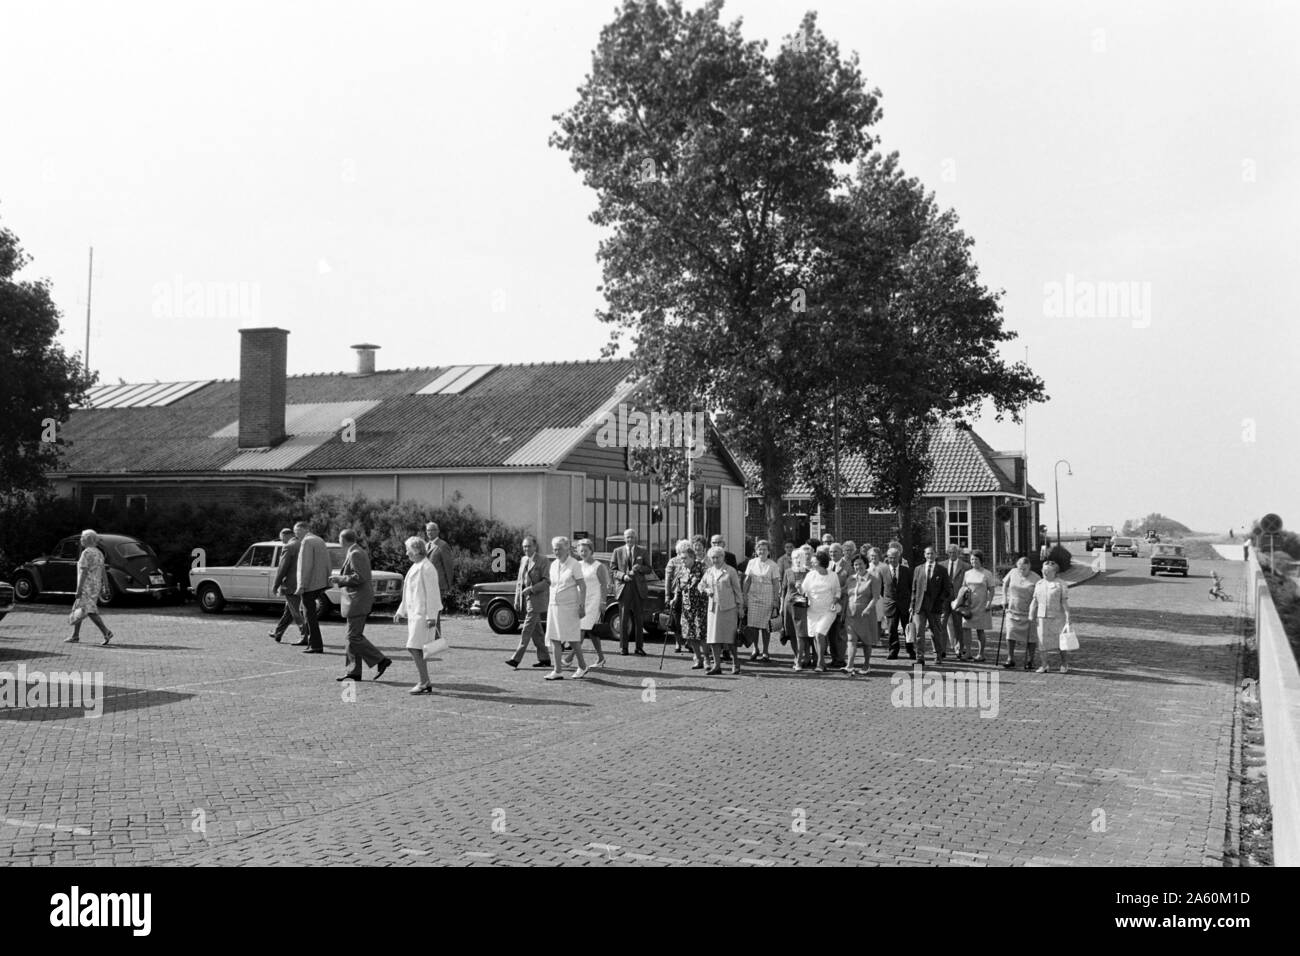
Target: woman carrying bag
[[90, 582], [421, 605], [1050, 607]]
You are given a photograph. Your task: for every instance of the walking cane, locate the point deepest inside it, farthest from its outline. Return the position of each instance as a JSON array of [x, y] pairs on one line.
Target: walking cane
[[997, 656], [663, 649]]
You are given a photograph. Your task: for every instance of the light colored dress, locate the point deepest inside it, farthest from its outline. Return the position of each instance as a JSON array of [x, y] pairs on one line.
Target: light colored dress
[[421, 603], [823, 591], [563, 612], [591, 614], [764, 582], [981, 584], [722, 585], [90, 566], [1020, 591], [1049, 606]]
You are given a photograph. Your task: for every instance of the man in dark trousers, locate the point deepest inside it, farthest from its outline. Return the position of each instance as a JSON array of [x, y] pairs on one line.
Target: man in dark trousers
[[531, 587], [286, 583], [896, 588], [956, 568], [931, 592], [355, 577], [441, 559], [313, 579], [631, 565]]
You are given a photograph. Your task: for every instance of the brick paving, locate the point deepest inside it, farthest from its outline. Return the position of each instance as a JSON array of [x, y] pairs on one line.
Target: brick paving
[[219, 747]]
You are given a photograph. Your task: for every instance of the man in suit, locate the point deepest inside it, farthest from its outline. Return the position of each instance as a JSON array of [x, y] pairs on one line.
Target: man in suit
[[728, 558], [531, 587], [286, 583], [631, 565], [313, 579], [956, 567], [896, 591], [837, 639], [355, 577], [931, 592], [440, 557]]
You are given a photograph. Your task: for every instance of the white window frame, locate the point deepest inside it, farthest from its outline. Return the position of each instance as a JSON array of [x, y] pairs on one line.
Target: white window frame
[[96, 499], [948, 522], [144, 502]]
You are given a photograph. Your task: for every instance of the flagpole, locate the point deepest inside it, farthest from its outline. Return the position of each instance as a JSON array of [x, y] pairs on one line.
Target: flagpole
[[90, 280]]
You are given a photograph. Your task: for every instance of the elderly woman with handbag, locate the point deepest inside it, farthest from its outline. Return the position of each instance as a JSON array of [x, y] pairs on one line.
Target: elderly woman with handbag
[[1051, 608], [90, 583], [567, 603], [721, 583], [981, 584], [421, 605], [761, 586], [794, 606], [821, 586], [1017, 595], [599, 586]]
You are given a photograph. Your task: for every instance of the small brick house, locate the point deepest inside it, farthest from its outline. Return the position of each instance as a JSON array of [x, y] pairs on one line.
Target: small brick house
[[971, 481]]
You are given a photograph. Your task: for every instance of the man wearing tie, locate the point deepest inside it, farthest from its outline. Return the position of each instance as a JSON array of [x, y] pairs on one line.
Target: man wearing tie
[[531, 589], [956, 569], [931, 592], [439, 552], [631, 564], [896, 592]]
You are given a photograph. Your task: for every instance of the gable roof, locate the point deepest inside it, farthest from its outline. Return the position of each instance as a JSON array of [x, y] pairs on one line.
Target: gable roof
[[963, 464], [513, 416]]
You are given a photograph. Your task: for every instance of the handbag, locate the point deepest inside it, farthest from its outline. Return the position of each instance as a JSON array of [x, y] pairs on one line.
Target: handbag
[[1069, 640], [78, 614], [436, 646], [910, 633], [776, 623], [962, 606]]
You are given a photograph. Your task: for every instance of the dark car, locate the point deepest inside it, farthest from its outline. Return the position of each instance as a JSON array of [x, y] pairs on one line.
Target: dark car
[[496, 601], [1099, 536], [130, 567], [1168, 559], [6, 599]]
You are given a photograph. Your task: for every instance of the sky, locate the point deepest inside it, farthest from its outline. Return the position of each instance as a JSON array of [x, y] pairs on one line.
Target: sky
[[1129, 171]]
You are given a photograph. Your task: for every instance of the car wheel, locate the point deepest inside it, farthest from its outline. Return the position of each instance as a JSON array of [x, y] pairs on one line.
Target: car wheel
[[211, 599], [25, 588], [503, 619], [1153, 572], [109, 594], [614, 621]]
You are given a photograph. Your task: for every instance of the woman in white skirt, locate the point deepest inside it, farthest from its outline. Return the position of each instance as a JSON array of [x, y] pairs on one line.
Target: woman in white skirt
[[1050, 607], [421, 606], [822, 588], [564, 612], [596, 577]]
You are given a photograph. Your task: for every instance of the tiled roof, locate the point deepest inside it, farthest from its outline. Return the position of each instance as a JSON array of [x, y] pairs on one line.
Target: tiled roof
[[963, 464], [512, 416]]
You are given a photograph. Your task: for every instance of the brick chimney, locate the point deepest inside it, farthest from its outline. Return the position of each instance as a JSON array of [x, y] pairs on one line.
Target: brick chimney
[[365, 358], [263, 360]]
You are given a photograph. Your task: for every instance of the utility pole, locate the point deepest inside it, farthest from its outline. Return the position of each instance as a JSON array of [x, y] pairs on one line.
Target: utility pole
[[90, 279], [836, 414]]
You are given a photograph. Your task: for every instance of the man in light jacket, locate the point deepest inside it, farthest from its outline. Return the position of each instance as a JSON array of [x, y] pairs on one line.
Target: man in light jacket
[[355, 577], [313, 579]]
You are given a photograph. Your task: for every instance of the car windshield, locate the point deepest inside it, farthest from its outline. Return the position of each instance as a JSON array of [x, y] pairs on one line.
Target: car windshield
[[1174, 550]]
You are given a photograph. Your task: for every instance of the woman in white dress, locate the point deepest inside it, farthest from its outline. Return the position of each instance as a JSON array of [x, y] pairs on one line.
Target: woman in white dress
[[421, 605], [595, 575], [1050, 607], [564, 612], [822, 589], [761, 587]]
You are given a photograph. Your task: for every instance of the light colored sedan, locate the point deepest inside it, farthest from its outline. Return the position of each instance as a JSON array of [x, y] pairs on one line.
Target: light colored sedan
[[249, 580]]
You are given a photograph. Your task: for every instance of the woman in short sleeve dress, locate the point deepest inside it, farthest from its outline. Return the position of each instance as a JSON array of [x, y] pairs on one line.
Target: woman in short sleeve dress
[[90, 582], [761, 586], [692, 605], [1051, 608], [1017, 594]]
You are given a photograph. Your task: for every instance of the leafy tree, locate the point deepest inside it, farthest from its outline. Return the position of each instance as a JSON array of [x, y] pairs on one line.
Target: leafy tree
[[39, 382]]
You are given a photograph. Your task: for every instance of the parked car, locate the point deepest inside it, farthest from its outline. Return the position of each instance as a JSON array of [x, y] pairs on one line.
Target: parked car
[[1168, 559], [1099, 536], [6, 599], [1125, 546], [249, 580], [496, 601], [130, 568]]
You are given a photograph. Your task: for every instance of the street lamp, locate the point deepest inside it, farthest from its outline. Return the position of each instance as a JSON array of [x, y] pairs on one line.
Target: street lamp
[[1056, 471]]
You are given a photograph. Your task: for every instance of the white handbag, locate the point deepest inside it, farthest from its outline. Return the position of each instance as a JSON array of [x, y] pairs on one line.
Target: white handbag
[[1069, 640], [436, 646]]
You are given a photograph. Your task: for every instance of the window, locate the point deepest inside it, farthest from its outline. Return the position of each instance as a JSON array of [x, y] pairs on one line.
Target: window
[[136, 503], [101, 504], [69, 548], [958, 522], [129, 549], [616, 522]]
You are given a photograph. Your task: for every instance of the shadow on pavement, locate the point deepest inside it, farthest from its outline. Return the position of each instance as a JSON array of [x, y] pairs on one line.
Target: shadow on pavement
[[115, 700], [8, 654], [497, 695]]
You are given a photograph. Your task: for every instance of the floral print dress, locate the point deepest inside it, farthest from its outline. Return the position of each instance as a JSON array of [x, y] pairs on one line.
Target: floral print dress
[[694, 606]]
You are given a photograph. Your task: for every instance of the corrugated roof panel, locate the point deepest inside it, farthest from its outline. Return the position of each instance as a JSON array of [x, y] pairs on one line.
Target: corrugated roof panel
[[175, 392], [546, 447], [466, 380], [280, 457], [124, 399], [149, 394], [310, 418], [101, 393], [443, 380]]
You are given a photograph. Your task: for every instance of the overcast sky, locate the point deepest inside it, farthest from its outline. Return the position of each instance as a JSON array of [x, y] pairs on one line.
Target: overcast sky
[[379, 172]]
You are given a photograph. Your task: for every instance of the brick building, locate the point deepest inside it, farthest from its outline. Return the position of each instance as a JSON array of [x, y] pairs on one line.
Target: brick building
[[971, 481]]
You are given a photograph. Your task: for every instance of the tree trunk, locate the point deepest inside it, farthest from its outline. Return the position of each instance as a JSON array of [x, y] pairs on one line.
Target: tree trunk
[[905, 520], [772, 500]]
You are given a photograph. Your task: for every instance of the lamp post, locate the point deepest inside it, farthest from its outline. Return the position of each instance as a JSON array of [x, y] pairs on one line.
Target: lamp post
[[1056, 472]]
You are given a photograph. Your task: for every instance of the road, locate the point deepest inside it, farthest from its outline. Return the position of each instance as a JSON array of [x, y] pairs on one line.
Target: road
[[219, 747]]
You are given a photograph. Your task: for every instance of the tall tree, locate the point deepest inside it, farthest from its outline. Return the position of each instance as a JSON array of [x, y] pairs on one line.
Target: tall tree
[[714, 166], [39, 382]]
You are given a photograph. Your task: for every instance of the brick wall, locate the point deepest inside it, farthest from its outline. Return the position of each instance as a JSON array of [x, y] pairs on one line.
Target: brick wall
[[263, 358]]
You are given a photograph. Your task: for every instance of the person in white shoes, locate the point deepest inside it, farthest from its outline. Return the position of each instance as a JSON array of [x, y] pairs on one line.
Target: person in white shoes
[[564, 612], [599, 584], [421, 605]]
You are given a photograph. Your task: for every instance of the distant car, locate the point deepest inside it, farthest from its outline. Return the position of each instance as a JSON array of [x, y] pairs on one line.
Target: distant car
[[249, 580], [1125, 546], [1168, 559], [1099, 536], [495, 600], [6, 599], [1152, 537], [130, 568]]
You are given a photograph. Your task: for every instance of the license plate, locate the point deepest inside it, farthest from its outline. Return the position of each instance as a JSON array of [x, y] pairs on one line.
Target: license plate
[[155, 579]]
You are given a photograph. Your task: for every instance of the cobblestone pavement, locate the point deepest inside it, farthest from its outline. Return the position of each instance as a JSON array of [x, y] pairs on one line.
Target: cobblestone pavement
[[219, 747]]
